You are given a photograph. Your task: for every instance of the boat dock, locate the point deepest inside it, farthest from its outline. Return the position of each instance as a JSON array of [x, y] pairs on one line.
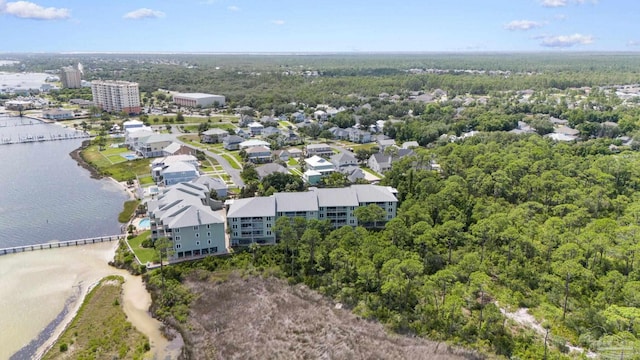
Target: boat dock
[[60, 244], [40, 138]]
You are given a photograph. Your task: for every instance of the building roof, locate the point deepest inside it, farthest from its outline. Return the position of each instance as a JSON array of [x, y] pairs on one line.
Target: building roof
[[173, 148], [316, 161], [271, 168], [215, 131], [253, 207], [296, 201], [173, 159], [233, 139], [183, 205], [253, 142], [410, 144], [318, 146], [258, 150], [179, 167], [156, 138], [194, 216], [255, 124], [373, 193], [343, 158], [195, 96], [210, 183], [336, 197]]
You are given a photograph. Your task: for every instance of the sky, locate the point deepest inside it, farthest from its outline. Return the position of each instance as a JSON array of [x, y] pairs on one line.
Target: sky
[[319, 26]]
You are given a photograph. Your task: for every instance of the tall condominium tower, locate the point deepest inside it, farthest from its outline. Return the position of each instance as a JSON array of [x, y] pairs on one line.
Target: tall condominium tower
[[116, 96], [71, 77]]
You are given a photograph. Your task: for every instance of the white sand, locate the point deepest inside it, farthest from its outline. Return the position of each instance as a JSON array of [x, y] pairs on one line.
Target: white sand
[[34, 287]]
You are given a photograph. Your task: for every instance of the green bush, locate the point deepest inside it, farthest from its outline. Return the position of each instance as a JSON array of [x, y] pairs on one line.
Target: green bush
[[64, 347]]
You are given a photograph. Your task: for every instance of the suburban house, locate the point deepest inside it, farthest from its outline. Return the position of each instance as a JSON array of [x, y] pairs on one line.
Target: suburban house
[[253, 143], [298, 116], [232, 142], [290, 138], [359, 136], [344, 159], [384, 143], [255, 128], [319, 150], [381, 162], [252, 219], [268, 169], [245, 120], [282, 155], [182, 213], [320, 115], [174, 169], [147, 143], [258, 154], [213, 136], [317, 168], [410, 144], [177, 149], [295, 153], [270, 130], [213, 184], [175, 173], [353, 173]]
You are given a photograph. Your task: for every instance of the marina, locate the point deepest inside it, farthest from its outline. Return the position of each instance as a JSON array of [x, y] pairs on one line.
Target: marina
[[8, 140]]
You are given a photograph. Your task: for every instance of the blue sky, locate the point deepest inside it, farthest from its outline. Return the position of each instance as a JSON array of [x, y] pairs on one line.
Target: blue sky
[[318, 26]]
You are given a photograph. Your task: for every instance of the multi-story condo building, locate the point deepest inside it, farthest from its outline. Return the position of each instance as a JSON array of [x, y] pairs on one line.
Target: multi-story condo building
[[183, 214], [116, 96], [252, 219], [71, 77]]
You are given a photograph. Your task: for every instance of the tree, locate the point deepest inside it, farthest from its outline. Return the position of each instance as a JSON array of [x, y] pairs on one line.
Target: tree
[[179, 117], [371, 213], [164, 251]]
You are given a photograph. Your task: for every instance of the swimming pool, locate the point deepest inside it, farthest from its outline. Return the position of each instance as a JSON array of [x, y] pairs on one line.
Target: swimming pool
[[129, 156], [144, 224]]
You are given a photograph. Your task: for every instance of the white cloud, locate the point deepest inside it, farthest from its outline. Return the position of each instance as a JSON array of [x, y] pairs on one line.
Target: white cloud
[[631, 43], [564, 41], [522, 25], [233, 8], [29, 10], [561, 3], [554, 3], [144, 13], [277, 22]]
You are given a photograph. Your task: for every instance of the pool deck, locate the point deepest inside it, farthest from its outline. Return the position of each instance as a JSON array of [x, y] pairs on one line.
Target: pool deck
[[136, 222]]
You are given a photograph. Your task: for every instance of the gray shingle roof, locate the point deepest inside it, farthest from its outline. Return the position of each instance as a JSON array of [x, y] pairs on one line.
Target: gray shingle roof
[[296, 201], [373, 193], [337, 197], [253, 207]]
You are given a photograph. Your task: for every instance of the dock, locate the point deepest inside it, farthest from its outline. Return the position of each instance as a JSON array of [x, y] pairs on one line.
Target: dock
[[40, 138], [61, 244]]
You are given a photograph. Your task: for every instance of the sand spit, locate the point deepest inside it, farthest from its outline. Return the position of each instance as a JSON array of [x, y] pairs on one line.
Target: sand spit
[[41, 291]]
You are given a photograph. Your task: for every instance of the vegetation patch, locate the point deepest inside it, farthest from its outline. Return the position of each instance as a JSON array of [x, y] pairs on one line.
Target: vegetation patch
[[100, 330], [232, 161], [129, 207]]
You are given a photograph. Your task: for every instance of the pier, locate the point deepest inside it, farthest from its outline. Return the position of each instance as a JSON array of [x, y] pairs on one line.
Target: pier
[[61, 244], [40, 138]]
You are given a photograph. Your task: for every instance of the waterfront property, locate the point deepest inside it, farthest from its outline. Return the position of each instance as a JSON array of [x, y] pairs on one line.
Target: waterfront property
[[251, 220], [57, 114], [183, 214]]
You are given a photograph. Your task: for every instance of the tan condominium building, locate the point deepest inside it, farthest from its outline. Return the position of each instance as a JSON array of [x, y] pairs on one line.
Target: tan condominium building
[[71, 77], [116, 96]]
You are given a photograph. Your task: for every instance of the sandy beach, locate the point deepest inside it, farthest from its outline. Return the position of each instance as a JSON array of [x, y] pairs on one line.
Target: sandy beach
[[41, 291]]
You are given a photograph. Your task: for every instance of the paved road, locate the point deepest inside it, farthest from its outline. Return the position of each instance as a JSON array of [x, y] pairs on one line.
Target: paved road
[[233, 173]]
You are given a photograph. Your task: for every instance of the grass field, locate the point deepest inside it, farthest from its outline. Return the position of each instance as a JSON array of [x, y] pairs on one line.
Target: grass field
[[231, 161], [146, 180], [100, 330], [144, 254], [110, 163], [292, 162], [129, 207]]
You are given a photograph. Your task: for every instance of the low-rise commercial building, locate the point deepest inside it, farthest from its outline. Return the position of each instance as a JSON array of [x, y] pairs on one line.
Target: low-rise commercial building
[[198, 99]]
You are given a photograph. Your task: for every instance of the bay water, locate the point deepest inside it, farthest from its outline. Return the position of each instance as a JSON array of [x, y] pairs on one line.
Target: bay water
[[45, 195]]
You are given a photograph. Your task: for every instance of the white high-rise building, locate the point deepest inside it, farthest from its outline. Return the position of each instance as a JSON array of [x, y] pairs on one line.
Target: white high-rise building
[[116, 96]]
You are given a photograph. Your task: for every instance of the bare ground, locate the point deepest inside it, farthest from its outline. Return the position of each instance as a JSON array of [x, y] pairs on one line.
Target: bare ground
[[265, 318]]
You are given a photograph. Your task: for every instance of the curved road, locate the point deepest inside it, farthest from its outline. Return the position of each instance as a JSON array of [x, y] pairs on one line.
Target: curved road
[[233, 173]]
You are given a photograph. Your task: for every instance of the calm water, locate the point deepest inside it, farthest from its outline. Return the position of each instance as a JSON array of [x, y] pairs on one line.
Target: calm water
[[45, 195]]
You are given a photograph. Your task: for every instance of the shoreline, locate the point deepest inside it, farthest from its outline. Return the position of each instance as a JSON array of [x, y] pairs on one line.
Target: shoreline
[[75, 155]]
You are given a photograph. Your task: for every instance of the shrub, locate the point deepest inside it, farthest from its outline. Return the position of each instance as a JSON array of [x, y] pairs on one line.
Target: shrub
[[64, 347]]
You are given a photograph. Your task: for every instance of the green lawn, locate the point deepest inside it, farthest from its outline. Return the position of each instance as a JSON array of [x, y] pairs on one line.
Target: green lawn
[[292, 162], [115, 165], [145, 255], [231, 161], [146, 180], [114, 151], [366, 169], [115, 159], [129, 207]]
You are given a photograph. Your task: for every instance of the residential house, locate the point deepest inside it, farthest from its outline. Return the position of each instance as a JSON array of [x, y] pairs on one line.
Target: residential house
[[295, 153], [232, 142], [175, 173], [339, 133], [253, 143], [182, 214], [410, 144], [319, 150], [344, 159], [268, 169], [381, 162], [359, 136], [258, 154], [282, 155], [320, 115], [319, 164], [298, 116], [270, 130], [245, 120], [384, 142], [168, 160], [312, 177], [290, 138], [353, 173], [177, 149], [147, 143], [213, 136], [255, 128]]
